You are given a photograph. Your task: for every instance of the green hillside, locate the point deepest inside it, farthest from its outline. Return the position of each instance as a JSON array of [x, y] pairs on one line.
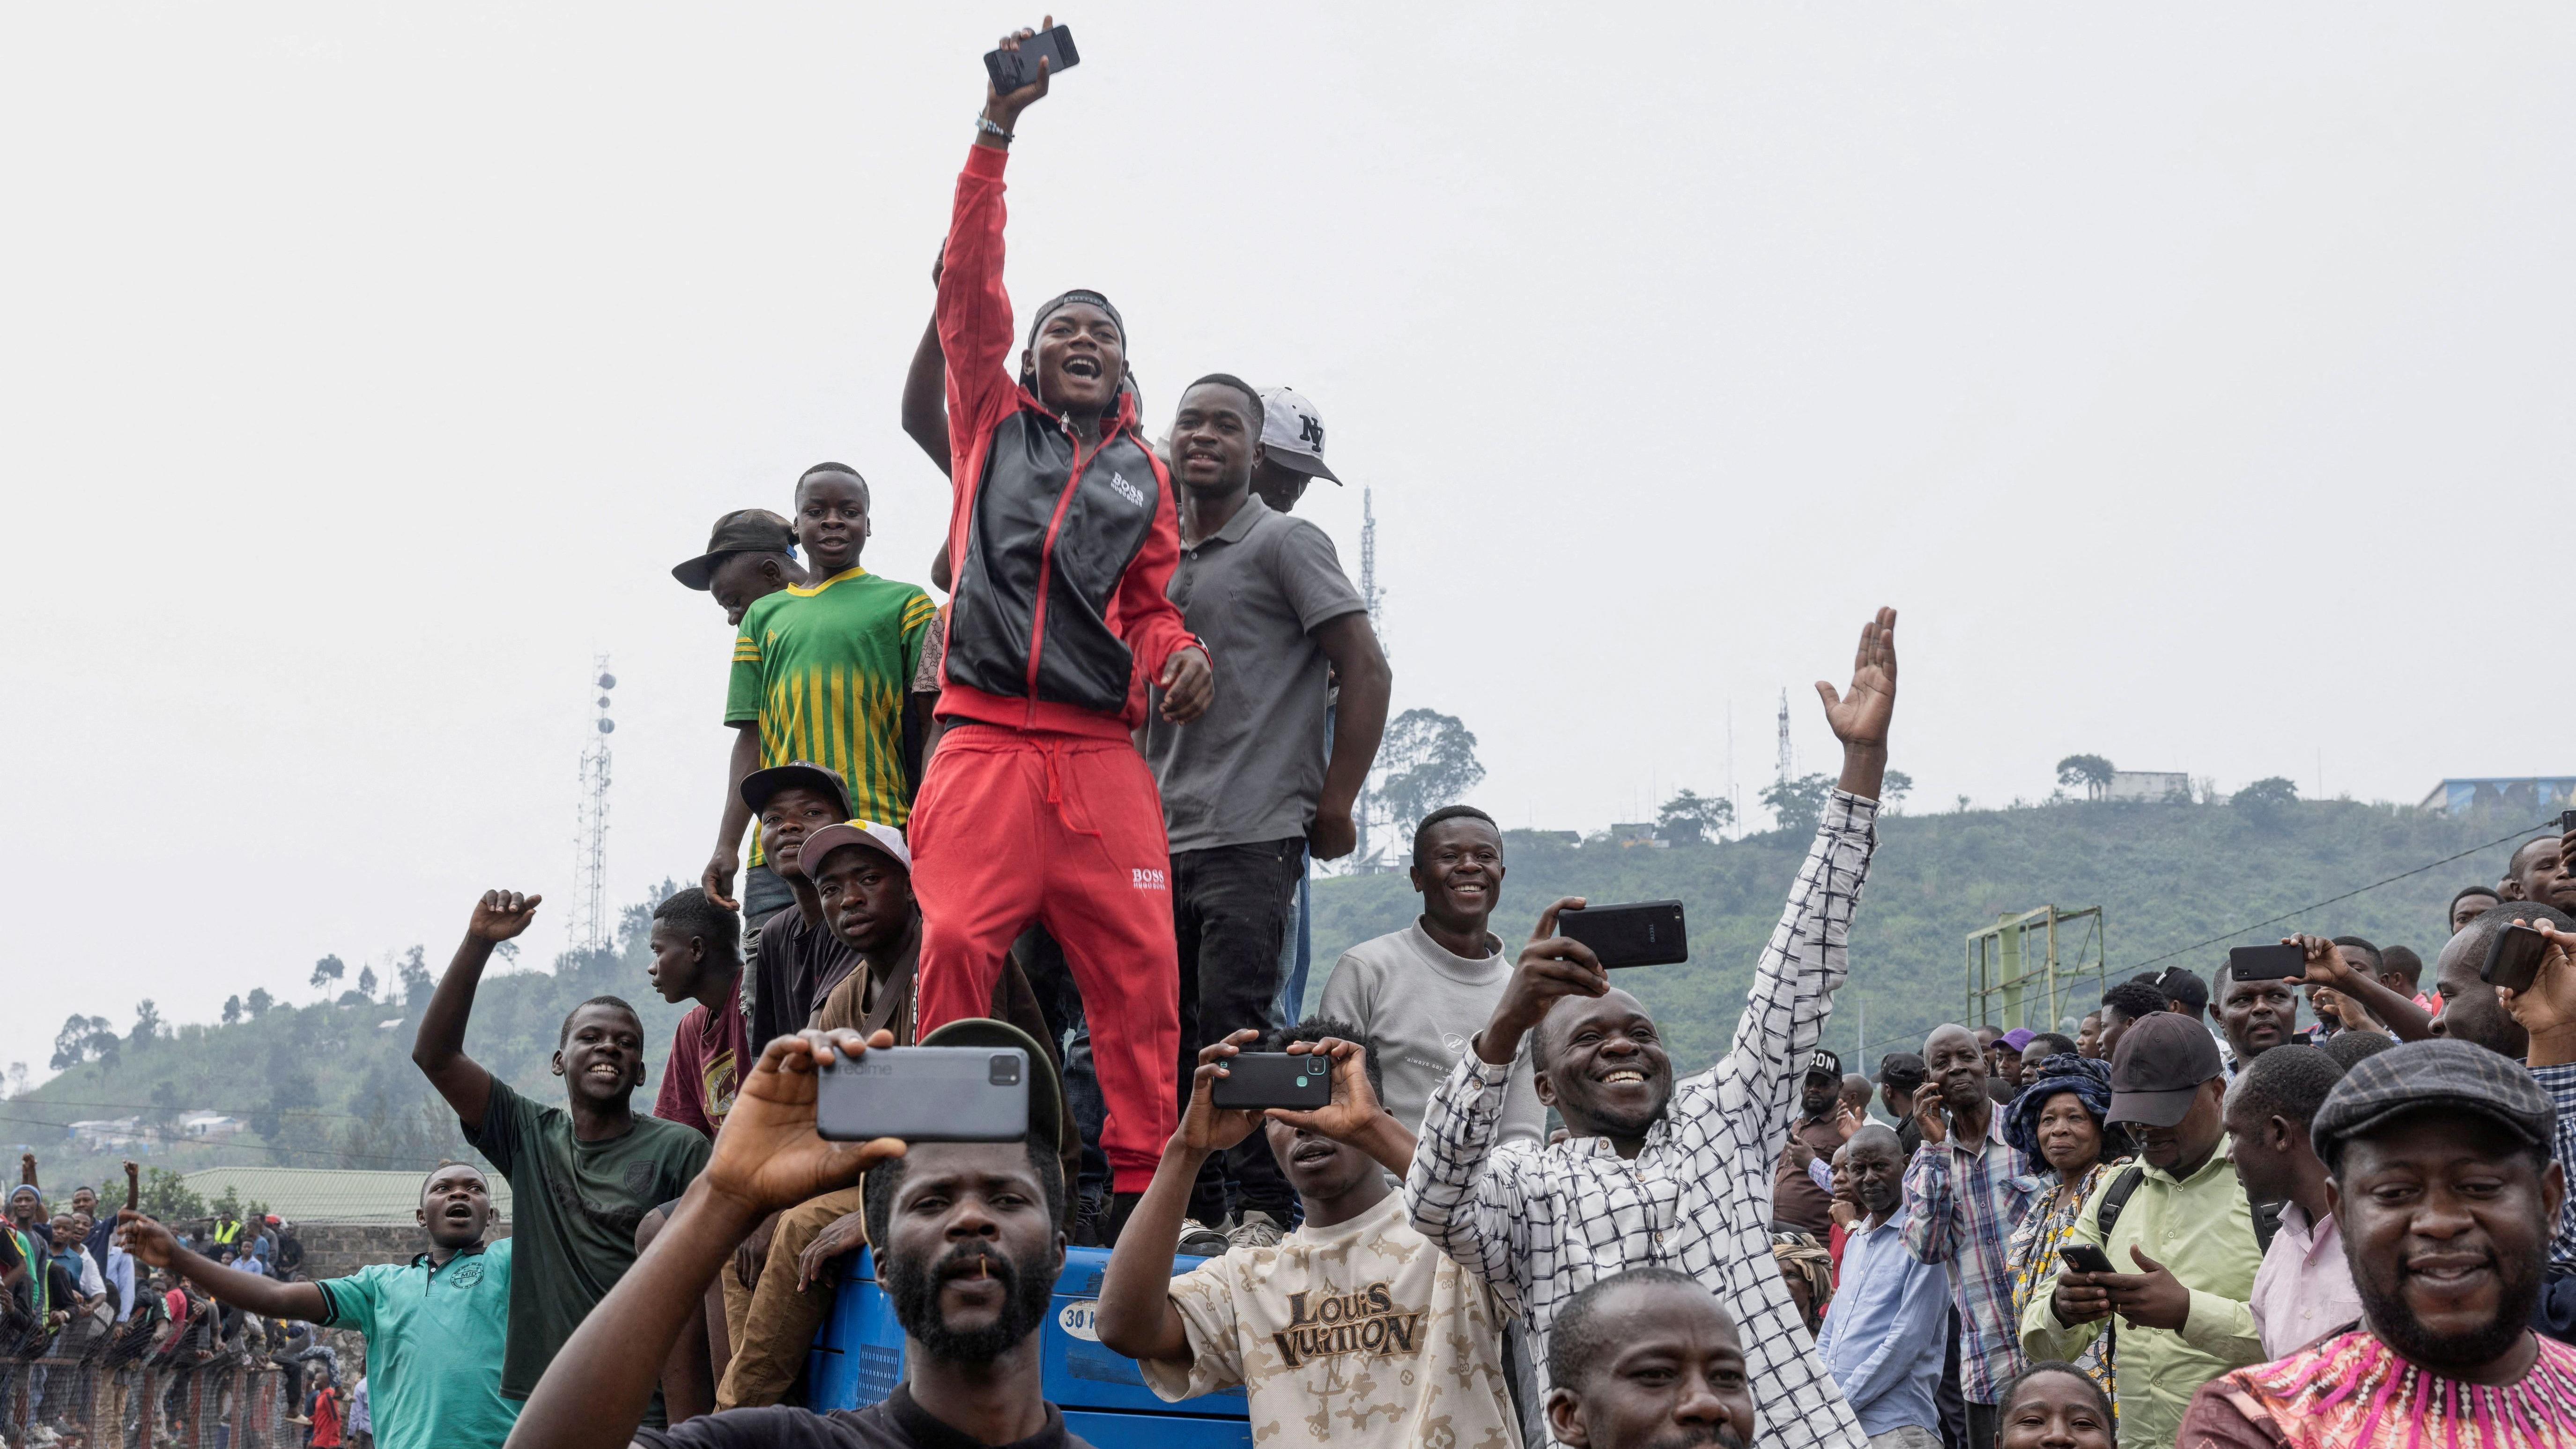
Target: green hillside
[[328, 1085], [2165, 875]]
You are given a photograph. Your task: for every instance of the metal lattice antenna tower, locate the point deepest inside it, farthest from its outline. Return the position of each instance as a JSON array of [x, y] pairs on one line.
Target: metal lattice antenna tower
[[1370, 597], [589, 915], [1787, 762]]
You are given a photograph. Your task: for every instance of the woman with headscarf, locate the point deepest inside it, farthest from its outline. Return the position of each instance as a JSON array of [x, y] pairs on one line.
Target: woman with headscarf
[[2060, 1122]]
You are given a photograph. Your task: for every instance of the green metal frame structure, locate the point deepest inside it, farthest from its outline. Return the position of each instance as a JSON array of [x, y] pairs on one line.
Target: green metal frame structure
[[2031, 964]]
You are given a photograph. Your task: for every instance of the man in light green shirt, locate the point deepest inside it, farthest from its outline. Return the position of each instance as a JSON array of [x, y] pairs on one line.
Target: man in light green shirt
[[435, 1326], [2182, 1242]]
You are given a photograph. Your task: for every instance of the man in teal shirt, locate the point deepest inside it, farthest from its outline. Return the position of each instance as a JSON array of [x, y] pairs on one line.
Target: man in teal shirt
[[2181, 1243], [435, 1326]]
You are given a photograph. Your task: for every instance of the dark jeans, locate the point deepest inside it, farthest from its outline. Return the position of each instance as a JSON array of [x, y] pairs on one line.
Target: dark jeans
[[1953, 1406], [1232, 907]]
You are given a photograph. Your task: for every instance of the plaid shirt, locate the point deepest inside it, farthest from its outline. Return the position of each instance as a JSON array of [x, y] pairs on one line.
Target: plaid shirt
[[1964, 1206], [1540, 1224], [2560, 1083]]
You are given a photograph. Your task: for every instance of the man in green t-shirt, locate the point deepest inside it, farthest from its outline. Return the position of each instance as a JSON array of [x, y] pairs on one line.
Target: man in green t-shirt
[[434, 1326], [584, 1174], [823, 671]]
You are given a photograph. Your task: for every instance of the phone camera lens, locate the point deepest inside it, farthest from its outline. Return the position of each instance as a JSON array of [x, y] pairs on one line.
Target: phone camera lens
[[1005, 1071]]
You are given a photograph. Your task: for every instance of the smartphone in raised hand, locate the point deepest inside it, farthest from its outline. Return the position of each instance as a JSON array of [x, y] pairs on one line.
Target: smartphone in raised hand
[[2266, 963], [1253, 1080], [1643, 933], [1012, 69], [2514, 956], [925, 1094]]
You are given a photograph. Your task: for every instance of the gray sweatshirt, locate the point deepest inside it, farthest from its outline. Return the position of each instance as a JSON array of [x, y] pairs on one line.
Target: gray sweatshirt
[[1420, 1006]]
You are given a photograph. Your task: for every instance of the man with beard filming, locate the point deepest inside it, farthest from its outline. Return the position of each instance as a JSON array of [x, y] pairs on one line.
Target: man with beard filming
[[2447, 1192], [968, 1248]]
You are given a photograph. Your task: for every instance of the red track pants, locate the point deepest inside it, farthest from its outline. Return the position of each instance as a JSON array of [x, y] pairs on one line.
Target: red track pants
[[1013, 827]]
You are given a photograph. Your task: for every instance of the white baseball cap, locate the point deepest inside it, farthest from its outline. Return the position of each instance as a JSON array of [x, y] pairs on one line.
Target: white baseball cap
[[1292, 433], [885, 840]]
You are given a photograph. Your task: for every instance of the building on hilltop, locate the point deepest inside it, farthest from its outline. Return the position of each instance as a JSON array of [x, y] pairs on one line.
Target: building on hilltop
[[2158, 785], [2532, 795]]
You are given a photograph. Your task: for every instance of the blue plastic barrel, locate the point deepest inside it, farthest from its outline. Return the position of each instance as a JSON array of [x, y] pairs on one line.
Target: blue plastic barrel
[[858, 1359]]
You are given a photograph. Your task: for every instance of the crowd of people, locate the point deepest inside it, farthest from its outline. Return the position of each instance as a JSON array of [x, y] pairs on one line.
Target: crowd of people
[[91, 1321], [1072, 809]]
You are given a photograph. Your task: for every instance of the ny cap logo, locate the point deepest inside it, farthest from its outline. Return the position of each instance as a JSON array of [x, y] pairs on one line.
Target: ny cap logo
[[1310, 431]]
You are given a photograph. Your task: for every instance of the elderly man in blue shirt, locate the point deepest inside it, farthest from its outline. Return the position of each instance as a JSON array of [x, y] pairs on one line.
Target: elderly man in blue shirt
[[1885, 1337]]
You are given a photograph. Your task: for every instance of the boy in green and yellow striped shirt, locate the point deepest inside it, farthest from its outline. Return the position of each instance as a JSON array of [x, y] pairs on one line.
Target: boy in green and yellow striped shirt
[[823, 672]]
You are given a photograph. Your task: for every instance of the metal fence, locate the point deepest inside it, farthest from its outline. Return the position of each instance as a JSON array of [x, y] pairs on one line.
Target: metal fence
[[221, 1403]]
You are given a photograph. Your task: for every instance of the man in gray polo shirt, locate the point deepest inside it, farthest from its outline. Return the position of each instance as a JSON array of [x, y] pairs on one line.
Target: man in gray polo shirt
[[1250, 786]]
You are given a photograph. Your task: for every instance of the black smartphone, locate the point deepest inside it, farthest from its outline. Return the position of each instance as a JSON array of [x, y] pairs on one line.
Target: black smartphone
[[2513, 957], [1255, 1080], [2566, 821], [925, 1094], [1643, 933], [2085, 1258], [1012, 69], [2266, 963]]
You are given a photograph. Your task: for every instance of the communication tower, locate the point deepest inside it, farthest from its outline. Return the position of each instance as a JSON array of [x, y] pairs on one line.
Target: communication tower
[[589, 915], [1786, 761], [1370, 597]]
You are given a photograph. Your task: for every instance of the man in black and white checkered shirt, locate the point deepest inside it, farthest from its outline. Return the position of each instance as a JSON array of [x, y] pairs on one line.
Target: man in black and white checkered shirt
[[1651, 1173]]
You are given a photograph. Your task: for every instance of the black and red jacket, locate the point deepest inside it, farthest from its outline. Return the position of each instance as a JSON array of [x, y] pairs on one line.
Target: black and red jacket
[[1058, 620]]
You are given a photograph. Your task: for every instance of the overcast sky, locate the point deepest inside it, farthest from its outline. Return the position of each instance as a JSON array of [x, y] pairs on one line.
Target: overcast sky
[[2195, 380]]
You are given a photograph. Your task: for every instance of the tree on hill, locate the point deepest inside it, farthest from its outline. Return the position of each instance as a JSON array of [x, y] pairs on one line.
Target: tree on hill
[[82, 1039], [232, 1009], [2090, 771], [1798, 806], [1893, 790], [1690, 818], [367, 982], [1428, 760], [258, 1002], [414, 975], [165, 1196], [147, 1022], [328, 970], [2266, 796]]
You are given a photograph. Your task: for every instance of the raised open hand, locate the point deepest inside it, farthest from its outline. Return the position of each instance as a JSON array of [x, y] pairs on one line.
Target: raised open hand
[[1860, 714]]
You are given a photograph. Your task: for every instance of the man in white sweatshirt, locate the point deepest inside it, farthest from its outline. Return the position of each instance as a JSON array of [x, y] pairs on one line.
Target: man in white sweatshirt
[[1421, 993]]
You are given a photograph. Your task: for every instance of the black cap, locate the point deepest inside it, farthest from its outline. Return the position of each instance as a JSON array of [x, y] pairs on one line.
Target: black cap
[[2440, 1074], [2162, 1061], [1824, 1063], [759, 785], [745, 530], [1903, 1071], [1046, 1093]]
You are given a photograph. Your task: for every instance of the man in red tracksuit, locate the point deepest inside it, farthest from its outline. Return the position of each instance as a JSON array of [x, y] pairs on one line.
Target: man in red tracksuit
[[1036, 806]]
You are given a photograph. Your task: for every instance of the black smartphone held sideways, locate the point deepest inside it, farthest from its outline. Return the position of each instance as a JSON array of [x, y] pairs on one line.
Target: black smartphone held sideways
[[2266, 963], [1012, 69], [2513, 957], [1255, 1080], [2085, 1258], [1641, 933], [925, 1094]]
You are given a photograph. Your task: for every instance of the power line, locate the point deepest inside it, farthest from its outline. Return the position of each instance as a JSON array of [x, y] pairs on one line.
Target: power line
[[42, 1102], [2347, 895]]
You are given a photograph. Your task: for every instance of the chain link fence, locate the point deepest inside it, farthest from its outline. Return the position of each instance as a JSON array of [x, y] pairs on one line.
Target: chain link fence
[[125, 1391]]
